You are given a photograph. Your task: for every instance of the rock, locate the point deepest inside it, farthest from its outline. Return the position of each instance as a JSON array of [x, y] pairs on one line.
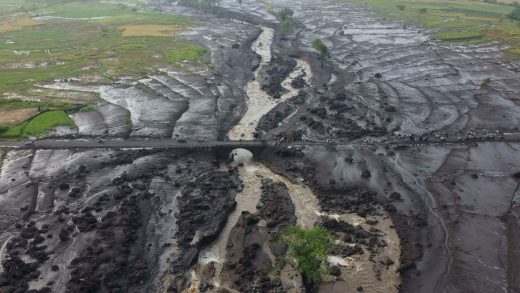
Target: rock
[[273, 74], [335, 271], [366, 174], [64, 186], [64, 235], [276, 205], [75, 192], [395, 196], [389, 108], [298, 82]]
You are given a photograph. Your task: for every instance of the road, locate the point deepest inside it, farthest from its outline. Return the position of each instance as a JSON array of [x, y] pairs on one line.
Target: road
[[93, 143]]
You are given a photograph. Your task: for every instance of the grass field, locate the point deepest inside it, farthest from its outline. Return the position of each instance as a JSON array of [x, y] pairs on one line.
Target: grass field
[[44, 40], [95, 38], [39, 125], [457, 21]]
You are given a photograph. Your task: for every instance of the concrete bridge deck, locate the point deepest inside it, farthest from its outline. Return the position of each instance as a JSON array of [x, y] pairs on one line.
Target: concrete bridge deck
[[111, 143]]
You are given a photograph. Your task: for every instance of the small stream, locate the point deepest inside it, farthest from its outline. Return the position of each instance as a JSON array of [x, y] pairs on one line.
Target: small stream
[[260, 103]]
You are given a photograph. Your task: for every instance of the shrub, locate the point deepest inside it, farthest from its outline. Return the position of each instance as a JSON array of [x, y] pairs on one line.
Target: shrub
[[401, 7], [3, 128], [515, 14], [88, 108], [423, 10]]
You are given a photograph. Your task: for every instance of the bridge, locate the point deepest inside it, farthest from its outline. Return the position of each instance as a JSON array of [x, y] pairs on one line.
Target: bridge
[[221, 147]]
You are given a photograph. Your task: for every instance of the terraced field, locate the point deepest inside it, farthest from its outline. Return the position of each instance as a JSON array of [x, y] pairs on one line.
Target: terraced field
[[42, 41]]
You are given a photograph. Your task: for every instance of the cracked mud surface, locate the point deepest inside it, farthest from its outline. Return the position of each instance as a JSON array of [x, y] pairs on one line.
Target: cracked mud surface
[[425, 216]]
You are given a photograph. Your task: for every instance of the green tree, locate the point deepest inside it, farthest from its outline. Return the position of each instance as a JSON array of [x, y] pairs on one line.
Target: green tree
[[307, 249], [285, 17], [285, 13], [285, 26]]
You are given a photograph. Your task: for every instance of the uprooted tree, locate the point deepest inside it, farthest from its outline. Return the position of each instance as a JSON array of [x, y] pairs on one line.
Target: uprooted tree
[[321, 48], [307, 250]]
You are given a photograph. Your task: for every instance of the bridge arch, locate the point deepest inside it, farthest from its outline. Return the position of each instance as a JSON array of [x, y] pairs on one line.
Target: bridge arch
[[241, 155], [224, 152]]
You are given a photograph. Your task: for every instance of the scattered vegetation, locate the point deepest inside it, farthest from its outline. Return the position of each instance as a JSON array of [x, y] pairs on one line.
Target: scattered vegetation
[[307, 249], [458, 21], [88, 108]]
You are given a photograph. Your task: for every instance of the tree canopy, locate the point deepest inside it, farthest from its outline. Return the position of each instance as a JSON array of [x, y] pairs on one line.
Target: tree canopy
[[285, 13], [307, 248]]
